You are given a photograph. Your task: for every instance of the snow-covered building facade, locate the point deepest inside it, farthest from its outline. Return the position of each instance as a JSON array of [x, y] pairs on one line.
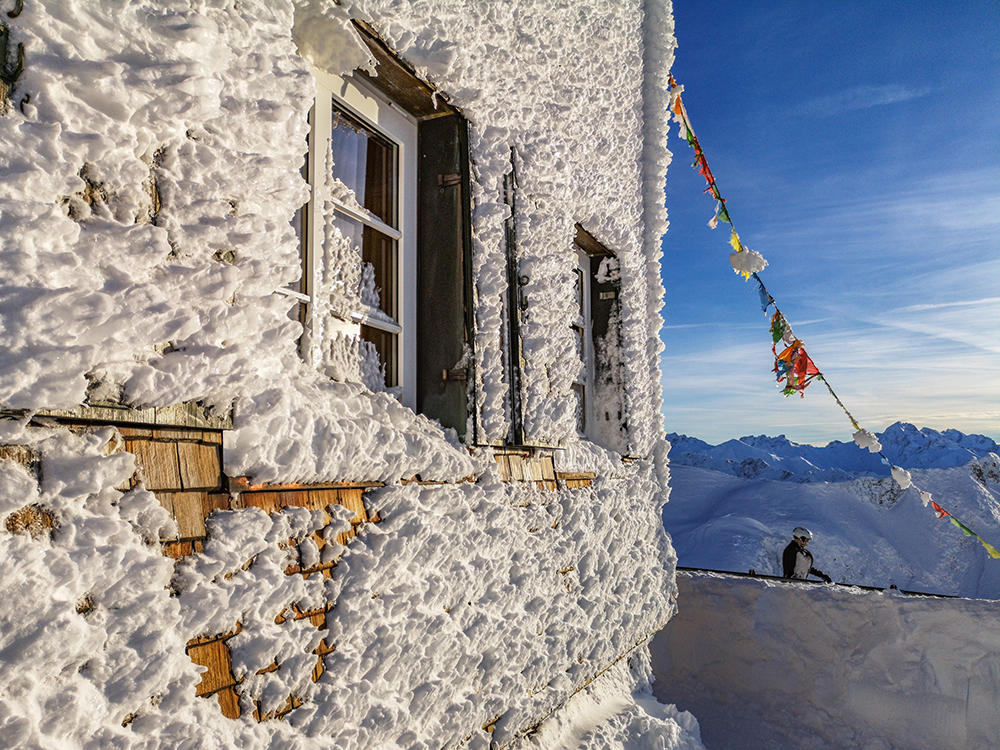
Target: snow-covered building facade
[[329, 378]]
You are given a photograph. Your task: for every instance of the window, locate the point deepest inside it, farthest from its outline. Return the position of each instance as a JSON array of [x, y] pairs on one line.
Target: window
[[386, 286], [360, 237], [364, 163], [600, 386]]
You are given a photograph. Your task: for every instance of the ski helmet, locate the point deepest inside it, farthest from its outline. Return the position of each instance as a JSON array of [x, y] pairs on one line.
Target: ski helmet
[[801, 533]]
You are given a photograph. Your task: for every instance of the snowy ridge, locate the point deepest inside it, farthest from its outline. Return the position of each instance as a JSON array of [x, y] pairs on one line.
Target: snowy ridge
[[780, 459]]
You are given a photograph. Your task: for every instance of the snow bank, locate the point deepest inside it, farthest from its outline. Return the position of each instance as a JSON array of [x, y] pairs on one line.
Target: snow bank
[[768, 665], [617, 712]]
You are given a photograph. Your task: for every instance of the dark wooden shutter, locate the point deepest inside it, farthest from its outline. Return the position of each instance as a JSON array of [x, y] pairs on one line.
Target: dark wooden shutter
[[444, 270]]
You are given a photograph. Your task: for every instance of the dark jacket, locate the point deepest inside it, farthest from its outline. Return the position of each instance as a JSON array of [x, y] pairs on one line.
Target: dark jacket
[[797, 562]]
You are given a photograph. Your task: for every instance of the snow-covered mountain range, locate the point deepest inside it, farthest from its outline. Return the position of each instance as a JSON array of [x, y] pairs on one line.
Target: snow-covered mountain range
[[763, 457], [733, 506]]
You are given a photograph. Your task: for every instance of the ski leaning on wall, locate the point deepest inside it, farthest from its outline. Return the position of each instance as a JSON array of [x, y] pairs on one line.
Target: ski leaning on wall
[[793, 367]]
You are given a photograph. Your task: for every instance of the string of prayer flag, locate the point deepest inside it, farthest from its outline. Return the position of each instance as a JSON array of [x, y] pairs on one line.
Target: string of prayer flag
[[794, 369]]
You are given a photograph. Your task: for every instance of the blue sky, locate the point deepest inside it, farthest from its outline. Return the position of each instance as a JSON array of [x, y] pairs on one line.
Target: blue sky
[[858, 147]]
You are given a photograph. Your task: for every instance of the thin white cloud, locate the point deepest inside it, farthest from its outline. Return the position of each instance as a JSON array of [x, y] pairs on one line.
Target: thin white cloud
[[861, 97], [943, 305]]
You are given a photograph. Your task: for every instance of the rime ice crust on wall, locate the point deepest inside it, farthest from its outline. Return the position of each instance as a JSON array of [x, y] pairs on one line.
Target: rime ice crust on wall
[[437, 632], [150, 166], [150, 169], [147, 189], [565, 85], [148, 185]]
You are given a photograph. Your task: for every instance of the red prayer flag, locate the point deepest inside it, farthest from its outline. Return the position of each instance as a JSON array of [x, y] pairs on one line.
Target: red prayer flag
[[941, 512]]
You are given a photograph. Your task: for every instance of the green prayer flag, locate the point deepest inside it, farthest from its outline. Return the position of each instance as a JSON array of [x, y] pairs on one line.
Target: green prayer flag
[[965, 529], [777, 329], [724, 215]]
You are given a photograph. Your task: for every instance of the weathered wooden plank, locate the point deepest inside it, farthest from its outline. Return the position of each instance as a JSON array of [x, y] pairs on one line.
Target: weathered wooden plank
[[213, 501], [354, 500], [503, 465], [215, 656], [320, 499], [516, 467], [177, 550], [548, 468], [189, 514], [176, 433], [158, 463], [21, 455], [243, 484], [199, 466], [166, 500], [268, 502], [134, 432], [229, 702]]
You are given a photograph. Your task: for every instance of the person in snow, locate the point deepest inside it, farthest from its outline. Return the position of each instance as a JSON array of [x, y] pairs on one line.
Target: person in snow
[[797, 561]]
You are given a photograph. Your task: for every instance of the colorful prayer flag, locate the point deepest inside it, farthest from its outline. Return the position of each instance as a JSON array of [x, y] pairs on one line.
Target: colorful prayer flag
[[965, 529], [734, 241], [795, 368], [766, 300], [989, 548]]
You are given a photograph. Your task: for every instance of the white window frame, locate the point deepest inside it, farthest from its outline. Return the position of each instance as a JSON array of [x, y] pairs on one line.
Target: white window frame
[[375, 110]]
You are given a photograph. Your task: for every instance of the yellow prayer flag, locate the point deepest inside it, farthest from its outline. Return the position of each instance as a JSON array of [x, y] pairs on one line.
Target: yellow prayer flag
[[734, 240], [989, 548]]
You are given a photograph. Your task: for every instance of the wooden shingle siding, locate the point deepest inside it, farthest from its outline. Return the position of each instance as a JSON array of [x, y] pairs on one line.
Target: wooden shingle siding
[[22, 455], [189, 512], [577, 480], [190, 509], [199, 465], [157, 463], [214, 654], [182, 467], [191, 415], [521, 465]]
